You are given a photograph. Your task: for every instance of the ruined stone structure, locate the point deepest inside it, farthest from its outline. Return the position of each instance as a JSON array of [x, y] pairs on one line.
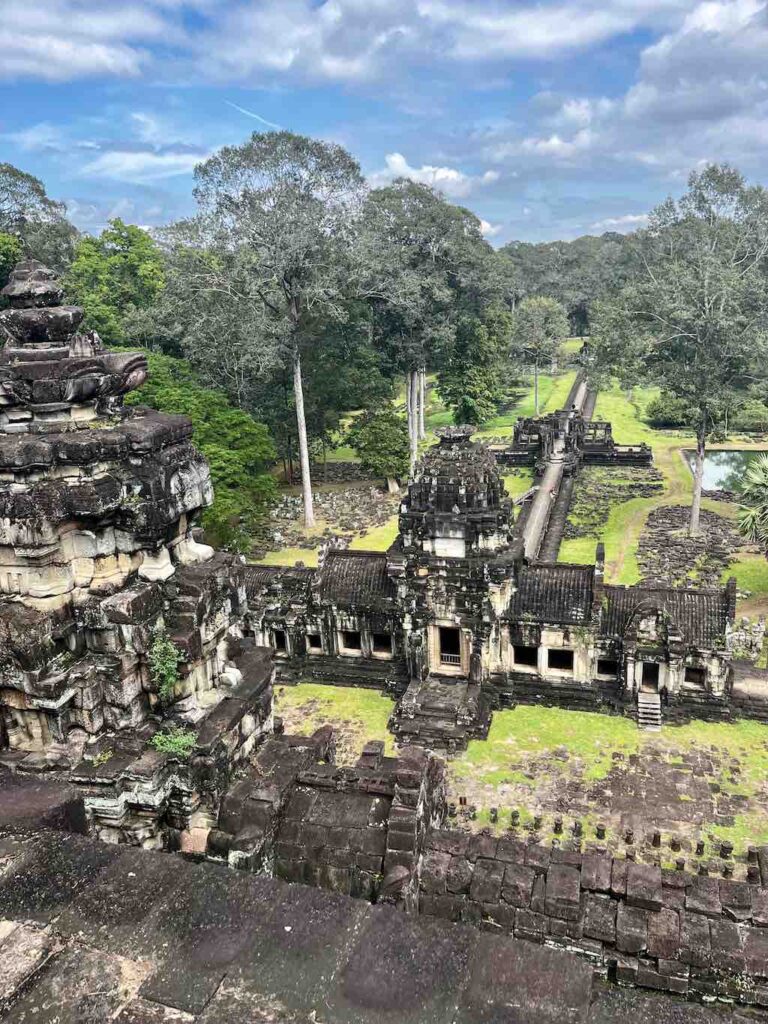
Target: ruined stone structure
[[98, 557], [100, 566], [455, 619]]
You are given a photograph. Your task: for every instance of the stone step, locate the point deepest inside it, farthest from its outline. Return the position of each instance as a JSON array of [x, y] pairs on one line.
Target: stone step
[[648, 710]]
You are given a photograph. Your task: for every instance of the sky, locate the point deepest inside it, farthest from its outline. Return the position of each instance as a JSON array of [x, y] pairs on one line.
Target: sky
[[549, 119]]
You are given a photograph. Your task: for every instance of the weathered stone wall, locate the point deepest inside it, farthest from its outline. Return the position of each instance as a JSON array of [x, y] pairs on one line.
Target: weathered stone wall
[[669, 930]]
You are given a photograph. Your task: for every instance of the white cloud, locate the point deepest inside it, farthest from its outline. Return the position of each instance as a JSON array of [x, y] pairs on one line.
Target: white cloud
[[141, 167], [489, 230], [627, 222], [451, 182]]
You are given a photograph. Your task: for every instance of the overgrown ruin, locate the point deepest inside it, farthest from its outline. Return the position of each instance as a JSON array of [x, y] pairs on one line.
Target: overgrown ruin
[[117, 625]]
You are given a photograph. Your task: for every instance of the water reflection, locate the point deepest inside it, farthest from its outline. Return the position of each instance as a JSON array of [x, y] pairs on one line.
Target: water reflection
[[723, 470]]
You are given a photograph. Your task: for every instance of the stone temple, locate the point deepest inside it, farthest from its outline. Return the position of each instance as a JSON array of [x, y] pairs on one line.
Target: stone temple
[[245, 875]]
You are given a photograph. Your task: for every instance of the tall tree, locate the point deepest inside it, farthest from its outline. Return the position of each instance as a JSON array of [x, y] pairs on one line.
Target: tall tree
[[420, 254], [113, 276], [39, 222], [539, 328], [470, 377], [695, 319], [287, 205]]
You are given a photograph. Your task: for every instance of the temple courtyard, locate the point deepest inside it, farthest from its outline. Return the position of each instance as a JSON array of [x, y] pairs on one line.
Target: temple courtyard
[[701, 782]]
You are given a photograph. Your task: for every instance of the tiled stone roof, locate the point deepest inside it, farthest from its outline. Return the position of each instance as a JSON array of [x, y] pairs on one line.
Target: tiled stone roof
[[355, 579], [554, 593], [700, 615], [294, 583]]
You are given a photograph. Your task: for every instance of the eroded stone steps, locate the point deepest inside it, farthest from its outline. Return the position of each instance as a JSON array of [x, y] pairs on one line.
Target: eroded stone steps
[[649, 711]]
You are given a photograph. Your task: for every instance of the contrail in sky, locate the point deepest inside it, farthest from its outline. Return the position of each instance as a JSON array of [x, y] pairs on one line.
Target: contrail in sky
[[257, 117]]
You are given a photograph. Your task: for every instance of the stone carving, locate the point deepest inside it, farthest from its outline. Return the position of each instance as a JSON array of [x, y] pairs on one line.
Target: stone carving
[[98, 551]]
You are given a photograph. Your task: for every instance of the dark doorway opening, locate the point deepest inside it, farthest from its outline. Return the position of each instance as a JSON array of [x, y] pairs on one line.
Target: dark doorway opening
[[650, 675], [351, 639], [450, 646], [279, 640], [382, 643], [607, 667], [560, 660], [695, 676], [314, 642], [525, 655]]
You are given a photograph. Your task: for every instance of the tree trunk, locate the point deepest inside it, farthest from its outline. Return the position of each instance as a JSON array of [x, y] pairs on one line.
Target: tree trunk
[[422, 402], [414, 430], [698, 479], [536, 389], [408, 400], [301, 423], [325, 461]]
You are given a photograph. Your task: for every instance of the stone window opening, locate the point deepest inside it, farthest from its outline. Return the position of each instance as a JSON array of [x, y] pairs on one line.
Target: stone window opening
[[314, 642], [280, 641], [450, 645], [695, 676], [526, 656], [607, 667], [381, 644], [351, 641], [560, 659]]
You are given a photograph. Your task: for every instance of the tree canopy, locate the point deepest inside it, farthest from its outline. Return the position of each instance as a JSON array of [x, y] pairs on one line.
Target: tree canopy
[[694, 319], [114, 275], [237, 447]]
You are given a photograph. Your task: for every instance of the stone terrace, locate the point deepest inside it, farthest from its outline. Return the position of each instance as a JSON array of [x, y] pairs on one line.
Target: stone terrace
[[90, 932]]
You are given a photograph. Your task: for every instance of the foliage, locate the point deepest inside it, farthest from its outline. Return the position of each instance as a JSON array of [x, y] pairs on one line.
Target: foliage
[[164, 657], [39, 222], [381, 442], [175, 740], [693, 321], [539, 328], [114, 275], [237, 447], [668, 411], [470, 378], [10, 254], [286, 207], [574, 273], [753, 511]]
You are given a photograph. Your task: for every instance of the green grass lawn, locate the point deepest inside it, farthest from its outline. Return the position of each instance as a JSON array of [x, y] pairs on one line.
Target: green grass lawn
[[377, 539], [518, 481], [356, 715], [621, 534], [548, 761]]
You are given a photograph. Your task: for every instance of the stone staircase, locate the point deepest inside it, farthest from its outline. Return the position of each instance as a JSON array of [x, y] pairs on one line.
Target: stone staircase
[[649, 710]]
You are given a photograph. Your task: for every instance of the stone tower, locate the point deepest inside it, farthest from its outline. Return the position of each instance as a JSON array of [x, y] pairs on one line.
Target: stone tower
[[98, 554], [456, 504]]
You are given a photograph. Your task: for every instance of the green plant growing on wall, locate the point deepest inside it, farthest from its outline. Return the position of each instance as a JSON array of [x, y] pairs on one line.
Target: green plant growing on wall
[[164, 658], [176, 741]]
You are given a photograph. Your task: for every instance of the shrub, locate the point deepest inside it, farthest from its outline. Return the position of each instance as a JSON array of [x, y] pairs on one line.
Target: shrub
[[175, 740], [164, 658]]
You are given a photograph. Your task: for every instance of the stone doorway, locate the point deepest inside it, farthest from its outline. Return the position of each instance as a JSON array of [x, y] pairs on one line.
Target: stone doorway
[[450, 646], [649, 679]]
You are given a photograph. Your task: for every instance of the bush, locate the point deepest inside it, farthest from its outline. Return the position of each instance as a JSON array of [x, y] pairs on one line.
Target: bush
[[238, 449], [164, 658], [380, 440], [667, 411], [175, 740]]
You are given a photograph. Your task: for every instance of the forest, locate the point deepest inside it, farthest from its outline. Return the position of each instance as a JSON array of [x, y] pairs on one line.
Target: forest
[[299, 313]]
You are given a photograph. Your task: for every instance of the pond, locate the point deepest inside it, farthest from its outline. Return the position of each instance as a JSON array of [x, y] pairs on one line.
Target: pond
[[723, 470]]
